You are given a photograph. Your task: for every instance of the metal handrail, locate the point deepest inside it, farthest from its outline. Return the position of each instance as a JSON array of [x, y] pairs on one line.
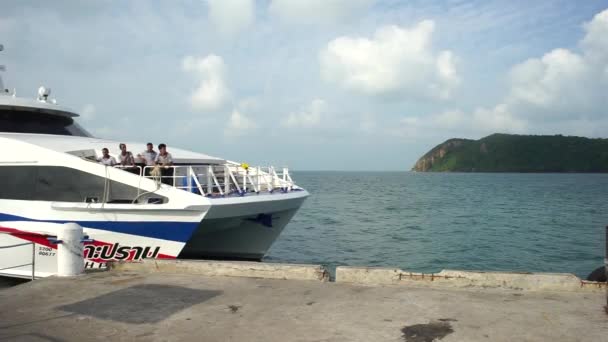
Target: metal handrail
[[17, 245], [222, 180], [33, 263], [118, 166]]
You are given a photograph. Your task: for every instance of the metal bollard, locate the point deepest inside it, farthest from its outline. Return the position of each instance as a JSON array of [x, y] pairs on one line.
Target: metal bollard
[[70, 253]]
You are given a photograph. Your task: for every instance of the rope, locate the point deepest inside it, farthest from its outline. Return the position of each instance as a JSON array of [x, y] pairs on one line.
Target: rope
[[156, 177], [106, 186]]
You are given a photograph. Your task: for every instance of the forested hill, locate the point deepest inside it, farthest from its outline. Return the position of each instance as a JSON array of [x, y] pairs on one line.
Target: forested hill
[[517, 153]]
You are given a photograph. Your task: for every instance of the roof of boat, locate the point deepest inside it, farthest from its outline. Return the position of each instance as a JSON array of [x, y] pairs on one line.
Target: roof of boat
[[67, 143], [33, 105]]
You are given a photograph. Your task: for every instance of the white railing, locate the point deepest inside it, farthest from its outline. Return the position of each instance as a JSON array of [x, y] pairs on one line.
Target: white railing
[[33, 263], [136, 169], [221, 180]]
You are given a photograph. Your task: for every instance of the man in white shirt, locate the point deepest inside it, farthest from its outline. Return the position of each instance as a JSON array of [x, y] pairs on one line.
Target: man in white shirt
[[149, 155], [165, 160], [125, 157], [106, 158]]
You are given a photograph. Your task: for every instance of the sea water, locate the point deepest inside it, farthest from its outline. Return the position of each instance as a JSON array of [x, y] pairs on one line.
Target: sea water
[[426, 222]]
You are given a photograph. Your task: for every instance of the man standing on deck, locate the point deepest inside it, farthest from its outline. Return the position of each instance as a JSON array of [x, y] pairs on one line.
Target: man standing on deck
[[106, 158], [165, 160], [125, 157], [149, 156]]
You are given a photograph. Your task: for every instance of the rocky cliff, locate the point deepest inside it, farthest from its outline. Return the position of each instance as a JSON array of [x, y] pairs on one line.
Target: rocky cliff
[[436, 155]]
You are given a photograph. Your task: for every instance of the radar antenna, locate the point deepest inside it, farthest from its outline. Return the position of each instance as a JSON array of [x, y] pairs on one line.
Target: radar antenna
[[2, 68]]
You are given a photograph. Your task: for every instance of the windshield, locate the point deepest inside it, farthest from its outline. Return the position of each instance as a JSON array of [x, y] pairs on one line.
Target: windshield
[[30, 122]]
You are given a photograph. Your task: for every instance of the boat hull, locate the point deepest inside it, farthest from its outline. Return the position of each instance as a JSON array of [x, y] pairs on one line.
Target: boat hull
[[241, 228], [243, 231], [236, 238]]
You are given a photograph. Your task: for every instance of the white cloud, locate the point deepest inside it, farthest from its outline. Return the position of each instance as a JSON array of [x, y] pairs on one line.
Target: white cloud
[[446, 72], [563, 84], [231, 16], [396, 61], [239, 124], [317, 11], [308, 117], [88, 112], [560, 92], [595, 43], [498, 119], [552, 82], [478, 123], [212, 92]]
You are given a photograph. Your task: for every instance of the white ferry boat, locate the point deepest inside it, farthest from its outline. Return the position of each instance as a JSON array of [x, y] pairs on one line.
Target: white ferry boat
[[199, 207]]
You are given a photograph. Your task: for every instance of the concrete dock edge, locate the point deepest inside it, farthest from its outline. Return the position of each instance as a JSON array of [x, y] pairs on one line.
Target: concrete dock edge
[[228, 269], [463, 279], [368, 275]]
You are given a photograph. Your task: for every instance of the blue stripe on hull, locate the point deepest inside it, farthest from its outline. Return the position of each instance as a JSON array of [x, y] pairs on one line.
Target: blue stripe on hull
[[173, 231]]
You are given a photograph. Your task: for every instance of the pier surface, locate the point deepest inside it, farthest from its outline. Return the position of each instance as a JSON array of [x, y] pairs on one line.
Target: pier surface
[[131, 305]]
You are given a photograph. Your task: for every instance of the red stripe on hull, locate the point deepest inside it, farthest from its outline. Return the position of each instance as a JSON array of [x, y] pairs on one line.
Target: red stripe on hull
[[42, 239]]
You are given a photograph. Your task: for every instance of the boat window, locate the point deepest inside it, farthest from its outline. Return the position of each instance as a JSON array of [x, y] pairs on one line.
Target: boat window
[[17, 182], [32, 122], [61, 184]]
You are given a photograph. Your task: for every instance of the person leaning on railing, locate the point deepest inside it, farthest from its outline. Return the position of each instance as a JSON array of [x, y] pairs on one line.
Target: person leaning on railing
[[125, 157], [165, 161], [106, 158], [126, 160], [149, 158]]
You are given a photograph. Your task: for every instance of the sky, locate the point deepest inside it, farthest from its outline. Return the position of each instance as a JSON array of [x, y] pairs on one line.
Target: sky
[[314, 84]]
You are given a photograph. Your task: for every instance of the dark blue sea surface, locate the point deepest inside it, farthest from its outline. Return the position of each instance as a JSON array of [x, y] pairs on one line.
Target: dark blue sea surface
[[426, 222]]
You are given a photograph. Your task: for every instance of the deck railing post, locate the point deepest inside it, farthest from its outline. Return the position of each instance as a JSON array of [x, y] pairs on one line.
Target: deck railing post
[[189, 174], [174, 174], [258, 177], [275, 179], [197, 183], [226, 179], [33, 260], [244, 180], [606, 267], [217, 184], [234, 179], [209, 181]]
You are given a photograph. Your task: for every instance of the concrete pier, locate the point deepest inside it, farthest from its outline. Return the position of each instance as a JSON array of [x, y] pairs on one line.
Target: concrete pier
[[147, 303], [228, 269], [524, 281]]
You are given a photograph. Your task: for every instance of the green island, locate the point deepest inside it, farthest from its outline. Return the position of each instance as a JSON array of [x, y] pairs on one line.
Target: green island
[[517, 153]]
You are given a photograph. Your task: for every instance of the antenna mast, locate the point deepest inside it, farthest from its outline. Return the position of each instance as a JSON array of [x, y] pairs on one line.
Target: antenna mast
[[2, 68]]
